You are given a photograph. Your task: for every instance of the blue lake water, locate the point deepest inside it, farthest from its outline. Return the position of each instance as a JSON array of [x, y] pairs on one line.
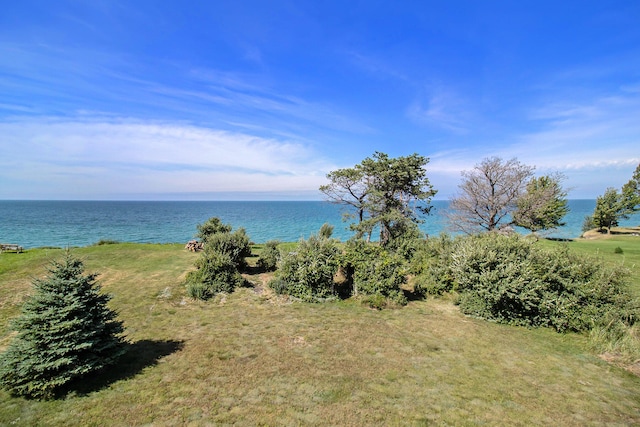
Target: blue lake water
[[80, 223]]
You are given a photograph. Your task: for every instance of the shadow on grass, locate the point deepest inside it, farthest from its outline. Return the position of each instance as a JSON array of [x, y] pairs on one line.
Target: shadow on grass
[[138, 356], [413, 296]]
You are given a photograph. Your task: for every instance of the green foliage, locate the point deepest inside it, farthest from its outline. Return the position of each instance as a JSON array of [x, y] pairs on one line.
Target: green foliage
[[510, 280], [405, 238], [588, 223], [609, 209], [216, 272], [326, 231], [210, 227], [106, 242], [543, 205], [65, 332], [630, 193], [308, 272], [376, 271], [269, 257], [488, 195], [432, 266], [613, 205], [236, 245], [223, 254], [618, 250], [387, 193]]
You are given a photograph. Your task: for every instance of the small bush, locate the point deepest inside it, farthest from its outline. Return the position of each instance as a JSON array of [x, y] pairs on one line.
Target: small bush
[[376, 271], [216, 273], [308, 272], [326, 231], [102, 242], [269, 257], [210, 227], [236, 245], [375, 301], [618, 250]]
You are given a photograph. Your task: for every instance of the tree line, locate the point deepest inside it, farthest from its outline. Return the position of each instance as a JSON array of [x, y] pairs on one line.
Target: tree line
[[392, 194]]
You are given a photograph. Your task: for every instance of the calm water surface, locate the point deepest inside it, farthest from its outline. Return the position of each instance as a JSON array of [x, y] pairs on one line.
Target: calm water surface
[[80, 223]]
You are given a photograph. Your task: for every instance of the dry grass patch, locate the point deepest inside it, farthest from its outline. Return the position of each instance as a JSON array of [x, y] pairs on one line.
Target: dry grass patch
[[252, 358]]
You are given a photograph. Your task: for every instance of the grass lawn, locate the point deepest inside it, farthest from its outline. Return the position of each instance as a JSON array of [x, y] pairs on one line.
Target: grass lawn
[[620, 248], [253, 358]]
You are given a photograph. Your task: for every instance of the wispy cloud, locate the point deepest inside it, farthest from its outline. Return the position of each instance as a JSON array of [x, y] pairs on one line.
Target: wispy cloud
[[101, 156], [599, 132], [442, 109]]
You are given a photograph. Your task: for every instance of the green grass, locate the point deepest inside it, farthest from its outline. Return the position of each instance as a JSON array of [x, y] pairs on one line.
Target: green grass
[[253, 358], [605, 249]]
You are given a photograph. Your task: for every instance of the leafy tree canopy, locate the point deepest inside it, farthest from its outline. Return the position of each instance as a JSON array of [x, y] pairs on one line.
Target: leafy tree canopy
[[543, 205], [385, 192]]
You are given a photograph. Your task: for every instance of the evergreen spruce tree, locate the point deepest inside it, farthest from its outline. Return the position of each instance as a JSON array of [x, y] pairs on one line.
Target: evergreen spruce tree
[[65, 332]]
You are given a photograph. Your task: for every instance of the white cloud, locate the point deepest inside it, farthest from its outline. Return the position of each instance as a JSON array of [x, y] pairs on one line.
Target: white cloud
[[98, 156]]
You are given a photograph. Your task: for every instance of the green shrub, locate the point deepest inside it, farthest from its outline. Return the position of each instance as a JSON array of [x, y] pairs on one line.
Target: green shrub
[[618, 250], [326, 231], [406, 239], [216, 272], [236, 245], [308, 272], [376, 271], [210, 227], [222, 255], [65, 332], [431, 264], [268, 259], [588, 223], [375, 301], [102, 242], [510, 280]]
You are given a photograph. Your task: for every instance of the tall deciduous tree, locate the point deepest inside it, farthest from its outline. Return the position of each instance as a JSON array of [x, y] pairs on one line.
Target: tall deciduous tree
[[389, 193], [543, 205], [65, 332], [488, 195]]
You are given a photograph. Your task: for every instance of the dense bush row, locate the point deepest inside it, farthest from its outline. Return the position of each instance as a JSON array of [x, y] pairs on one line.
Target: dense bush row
[[508, 279], [367, 271], [511, 279]]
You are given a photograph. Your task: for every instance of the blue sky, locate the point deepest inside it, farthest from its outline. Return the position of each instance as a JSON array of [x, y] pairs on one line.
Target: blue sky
[[259, 100]]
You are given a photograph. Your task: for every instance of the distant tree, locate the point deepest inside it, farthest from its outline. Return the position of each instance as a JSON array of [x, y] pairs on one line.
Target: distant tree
[[488, 195], [631, 192], [386, 192], [610, 209], [543, 205], [65, 332]]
